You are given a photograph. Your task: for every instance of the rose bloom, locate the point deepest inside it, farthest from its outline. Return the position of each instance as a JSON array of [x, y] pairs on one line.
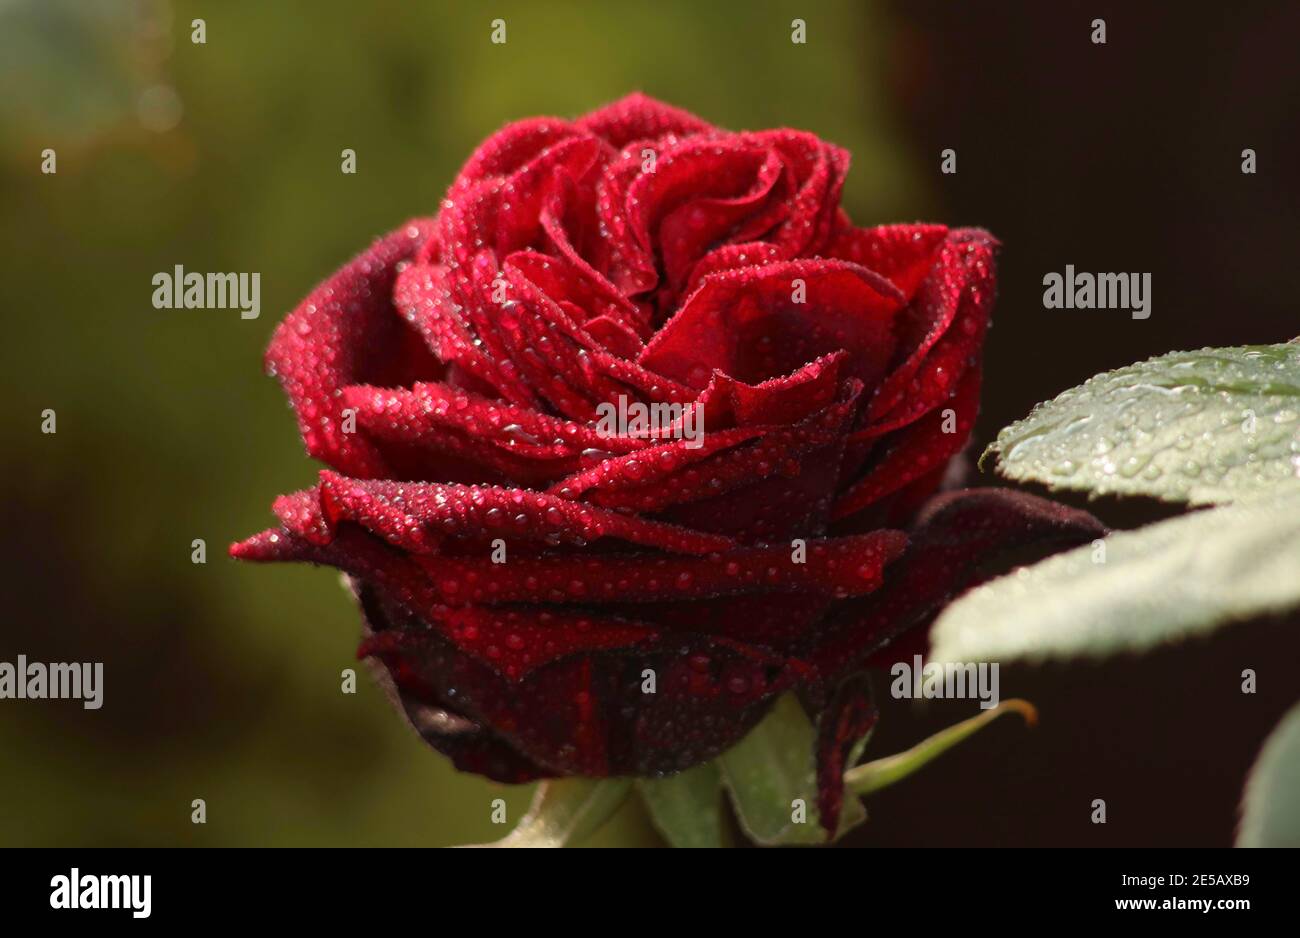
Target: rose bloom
[[544, 599]]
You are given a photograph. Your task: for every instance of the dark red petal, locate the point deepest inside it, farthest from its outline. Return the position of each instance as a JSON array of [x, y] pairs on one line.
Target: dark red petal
[[711, 692], [441, 432], [958, 540], [703, 193], [733, 256], [559, 354], [903, 253], [944, 327], [654, 479], [791, 499], [819, 169], [428, 410], [471, 746], [300, 513], [839, 567], [589, 716], [919, 449], [515, 642], [415, 516], [434, 301], [525, 192], [571, 279], [511, 641], [787, 399], [612, 334], [849, 716], [558, 357], [512, 147], [648, 467], [621, 258], [747, 324], [777, 621], [346, 332], [639, 117]]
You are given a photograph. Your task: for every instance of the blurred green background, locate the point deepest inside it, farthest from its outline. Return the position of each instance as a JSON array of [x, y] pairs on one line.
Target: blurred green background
[[222, 681]]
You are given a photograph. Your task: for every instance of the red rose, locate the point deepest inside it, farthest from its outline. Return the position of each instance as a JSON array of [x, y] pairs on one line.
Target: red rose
[[454, 374]]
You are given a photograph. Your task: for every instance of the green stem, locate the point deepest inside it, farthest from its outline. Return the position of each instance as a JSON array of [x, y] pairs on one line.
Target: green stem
[[873, 776]]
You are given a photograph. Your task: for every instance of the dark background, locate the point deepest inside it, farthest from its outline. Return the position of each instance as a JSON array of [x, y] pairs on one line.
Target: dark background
[[222, 680]]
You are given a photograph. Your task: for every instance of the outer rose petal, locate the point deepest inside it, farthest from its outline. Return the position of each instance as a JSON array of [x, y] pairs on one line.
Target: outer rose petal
[[848, 717], [512, 642], [519, 442], [415, 516], [956, 536], [959, 540], [840, 567], [943, 327], [582, 715], [638, 117], [511, 147], [471, 746], [347, 332], [587, 715]]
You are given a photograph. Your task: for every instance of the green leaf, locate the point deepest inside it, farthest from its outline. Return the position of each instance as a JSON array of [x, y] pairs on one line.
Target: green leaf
[[1158, 584], [772, 768], [873, 776], [1271, 806], [687, 807], [565, 811], [1199, 427]]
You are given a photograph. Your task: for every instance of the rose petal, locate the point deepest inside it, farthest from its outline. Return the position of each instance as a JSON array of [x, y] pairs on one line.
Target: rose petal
[[435, 300], [903, 253], [819, 170], [849, 716], [675, 474], [589, 716], [512, 147], [415, 516], [639, 117], [959, 535], [919, 449], [747, 323], [950, 314], [346, 332], [839, 567], [701, 194], [732, 256]]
